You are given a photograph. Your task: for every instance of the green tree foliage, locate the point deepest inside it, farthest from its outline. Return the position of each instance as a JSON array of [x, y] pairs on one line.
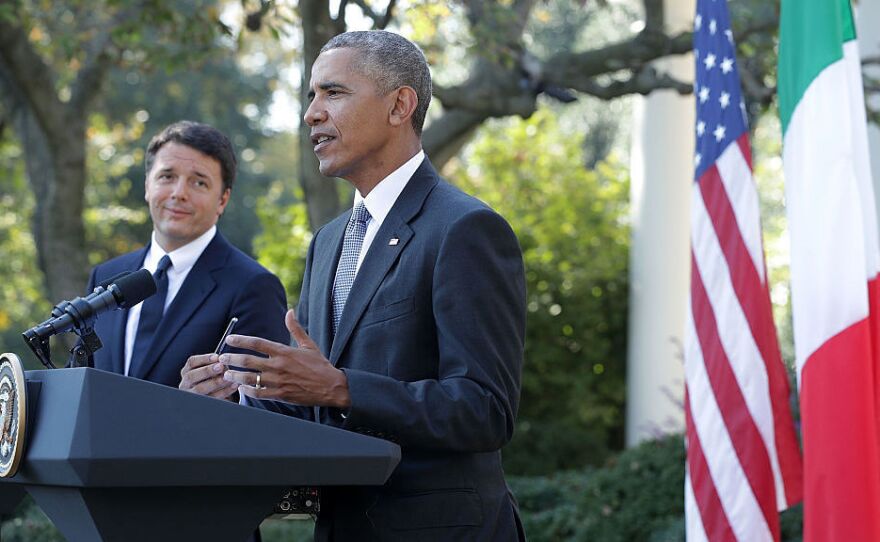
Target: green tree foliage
[[138, 105], [285, 238], [285, 234], [21, 296], [571, 223], [137, 102], [54, 60]]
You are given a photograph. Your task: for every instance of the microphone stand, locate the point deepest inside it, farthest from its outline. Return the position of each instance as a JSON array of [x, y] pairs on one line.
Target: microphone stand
[[88, 342], [40, 347]]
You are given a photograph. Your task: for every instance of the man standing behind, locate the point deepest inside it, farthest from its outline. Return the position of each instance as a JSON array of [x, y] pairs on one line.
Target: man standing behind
[[203, 281], [411, 320]]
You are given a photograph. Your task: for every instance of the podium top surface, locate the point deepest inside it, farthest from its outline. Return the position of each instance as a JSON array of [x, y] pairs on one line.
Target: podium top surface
[[91, 428]]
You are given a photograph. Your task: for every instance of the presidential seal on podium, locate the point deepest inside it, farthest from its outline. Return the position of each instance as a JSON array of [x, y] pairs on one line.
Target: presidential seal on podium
[[13, 413]]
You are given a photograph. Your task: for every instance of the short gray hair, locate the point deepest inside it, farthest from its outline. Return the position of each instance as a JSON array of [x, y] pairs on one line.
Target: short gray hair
[[391, 61]]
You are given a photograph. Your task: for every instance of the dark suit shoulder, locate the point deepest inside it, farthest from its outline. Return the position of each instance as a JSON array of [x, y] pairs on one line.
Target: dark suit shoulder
[[135, 257], [455, 198], [448, 205], [126, 262], [240, 262]]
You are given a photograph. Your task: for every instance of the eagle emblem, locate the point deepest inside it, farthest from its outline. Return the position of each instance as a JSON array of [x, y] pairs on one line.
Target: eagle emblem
[[12, 413]]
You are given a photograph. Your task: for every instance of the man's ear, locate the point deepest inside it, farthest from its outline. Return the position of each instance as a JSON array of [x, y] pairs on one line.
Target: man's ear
[[405, 103], [224, 201]]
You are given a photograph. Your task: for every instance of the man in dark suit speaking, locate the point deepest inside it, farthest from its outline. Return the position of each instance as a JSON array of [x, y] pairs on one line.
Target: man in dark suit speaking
[[411, 318], [203, 281]]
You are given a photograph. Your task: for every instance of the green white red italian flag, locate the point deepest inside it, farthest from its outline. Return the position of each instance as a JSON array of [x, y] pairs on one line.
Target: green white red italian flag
[[834, 266]]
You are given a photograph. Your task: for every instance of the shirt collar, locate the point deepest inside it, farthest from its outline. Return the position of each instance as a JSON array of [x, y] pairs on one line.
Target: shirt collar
[[183, 258], [381, 198]]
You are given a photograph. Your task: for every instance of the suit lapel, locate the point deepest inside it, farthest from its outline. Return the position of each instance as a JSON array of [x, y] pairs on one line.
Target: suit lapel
[[383, 253], [120, 317], [323, 275], [195, 289]]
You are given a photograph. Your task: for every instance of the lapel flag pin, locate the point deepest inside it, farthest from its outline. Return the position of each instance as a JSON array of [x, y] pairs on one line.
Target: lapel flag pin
[[393, 242]]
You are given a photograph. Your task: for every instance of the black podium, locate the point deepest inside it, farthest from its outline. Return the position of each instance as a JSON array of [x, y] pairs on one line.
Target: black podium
[[112, 458]]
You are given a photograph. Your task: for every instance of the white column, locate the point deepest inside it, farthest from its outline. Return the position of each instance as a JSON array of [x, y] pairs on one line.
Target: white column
[[661, 178], [867, 15]]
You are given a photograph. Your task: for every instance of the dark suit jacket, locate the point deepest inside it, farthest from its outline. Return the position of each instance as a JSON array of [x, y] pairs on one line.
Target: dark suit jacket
[[431, 341], [224, 283]]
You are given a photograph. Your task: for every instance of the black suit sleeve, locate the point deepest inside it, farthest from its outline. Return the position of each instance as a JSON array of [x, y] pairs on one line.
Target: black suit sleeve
[[478, 306]]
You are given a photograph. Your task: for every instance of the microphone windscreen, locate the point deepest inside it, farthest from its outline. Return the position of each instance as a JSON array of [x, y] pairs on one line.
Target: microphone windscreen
[[136, 287], [112, 280]]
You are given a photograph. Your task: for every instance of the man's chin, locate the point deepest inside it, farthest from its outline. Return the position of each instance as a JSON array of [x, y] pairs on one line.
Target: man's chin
[[177, 237], [329, 169], [326, 171]]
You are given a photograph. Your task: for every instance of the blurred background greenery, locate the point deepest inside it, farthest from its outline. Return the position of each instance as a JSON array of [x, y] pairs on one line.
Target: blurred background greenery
[[554, 162]]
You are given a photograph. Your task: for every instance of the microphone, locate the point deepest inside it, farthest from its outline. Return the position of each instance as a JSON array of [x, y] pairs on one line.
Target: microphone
[[122, 293], [58, 310]]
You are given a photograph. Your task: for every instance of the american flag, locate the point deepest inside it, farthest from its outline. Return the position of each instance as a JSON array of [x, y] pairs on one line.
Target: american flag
[[743, 460]]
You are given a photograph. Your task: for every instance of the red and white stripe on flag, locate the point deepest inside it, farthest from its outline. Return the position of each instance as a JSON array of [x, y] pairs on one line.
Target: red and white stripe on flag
[[743, 459]]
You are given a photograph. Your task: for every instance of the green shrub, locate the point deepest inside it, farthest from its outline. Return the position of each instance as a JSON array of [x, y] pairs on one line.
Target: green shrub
[[637, 496], [29, 524]]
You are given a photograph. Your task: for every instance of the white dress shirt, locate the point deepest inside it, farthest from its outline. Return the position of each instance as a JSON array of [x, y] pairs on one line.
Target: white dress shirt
[[182, 261], [382, 197]]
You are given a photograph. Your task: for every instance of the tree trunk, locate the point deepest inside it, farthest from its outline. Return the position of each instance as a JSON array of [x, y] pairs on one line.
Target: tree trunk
[[55, 166], [59, 227]]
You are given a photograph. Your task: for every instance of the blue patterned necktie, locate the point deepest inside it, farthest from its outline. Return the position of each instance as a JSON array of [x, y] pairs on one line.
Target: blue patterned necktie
[[151, 314], [347, 268]]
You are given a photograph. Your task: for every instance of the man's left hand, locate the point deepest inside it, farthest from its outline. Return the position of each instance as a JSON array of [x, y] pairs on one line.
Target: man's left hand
[[299, 375]]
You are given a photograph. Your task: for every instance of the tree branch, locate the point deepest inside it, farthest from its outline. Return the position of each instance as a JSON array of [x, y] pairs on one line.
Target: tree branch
[[577, 70], [98, 58], [448, 133], [340, 15], [755, 89], [644, 82], [380, 20], [496, 96], [29, 73], [496, 92], [653, 15]]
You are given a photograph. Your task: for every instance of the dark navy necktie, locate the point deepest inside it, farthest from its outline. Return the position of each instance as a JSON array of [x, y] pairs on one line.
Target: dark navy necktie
[[151, 315], [347, 268]]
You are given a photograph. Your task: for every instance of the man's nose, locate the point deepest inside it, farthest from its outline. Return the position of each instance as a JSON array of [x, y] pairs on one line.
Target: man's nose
[[315, 114], [180, 189]]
